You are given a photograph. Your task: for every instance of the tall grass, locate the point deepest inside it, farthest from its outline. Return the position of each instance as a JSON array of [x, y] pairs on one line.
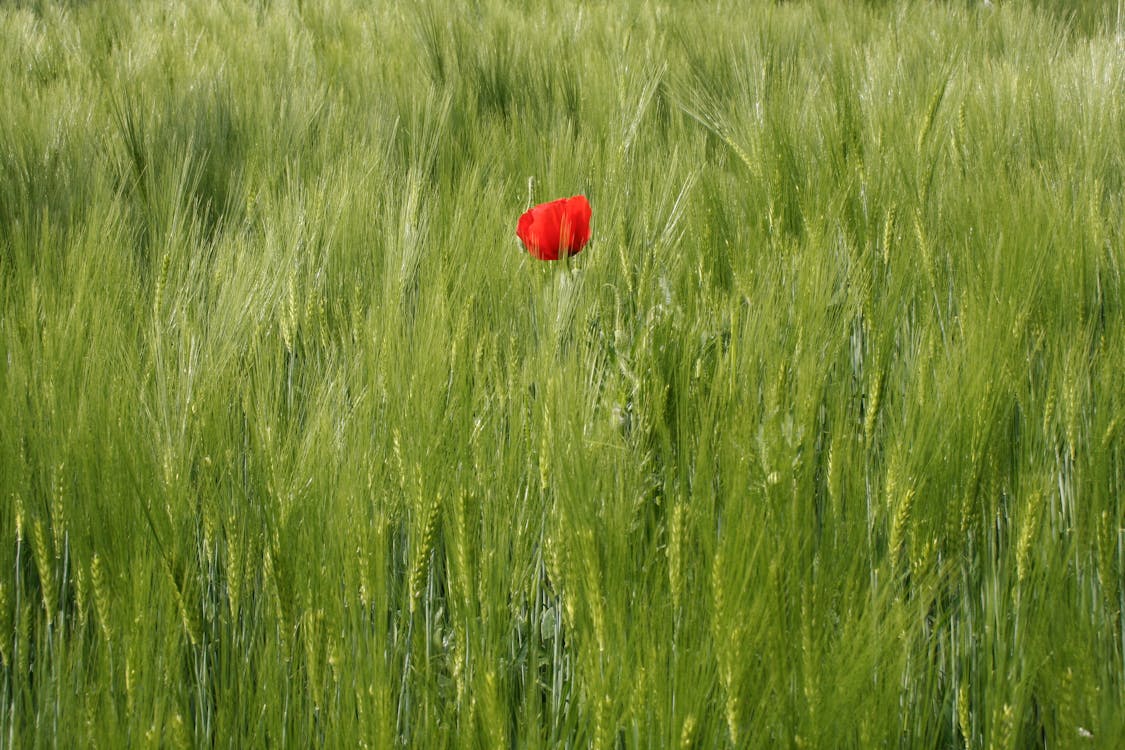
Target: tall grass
[[819, 442]]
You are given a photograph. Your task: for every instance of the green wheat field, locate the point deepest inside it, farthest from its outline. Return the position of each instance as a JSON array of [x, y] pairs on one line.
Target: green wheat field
[[820, 443]]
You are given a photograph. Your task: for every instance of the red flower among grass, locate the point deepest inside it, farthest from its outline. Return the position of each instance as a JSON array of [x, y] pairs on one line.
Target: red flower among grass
[[561, 226]]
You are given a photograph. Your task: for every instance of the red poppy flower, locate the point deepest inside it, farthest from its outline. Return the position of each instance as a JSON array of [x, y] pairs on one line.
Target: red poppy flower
[[559, 226]]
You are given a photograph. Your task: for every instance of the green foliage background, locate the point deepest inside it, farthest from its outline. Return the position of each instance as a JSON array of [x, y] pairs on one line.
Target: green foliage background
[[818, 444]]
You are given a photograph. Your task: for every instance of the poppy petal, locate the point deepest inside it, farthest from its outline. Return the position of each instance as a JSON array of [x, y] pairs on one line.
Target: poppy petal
[[561, 225]]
